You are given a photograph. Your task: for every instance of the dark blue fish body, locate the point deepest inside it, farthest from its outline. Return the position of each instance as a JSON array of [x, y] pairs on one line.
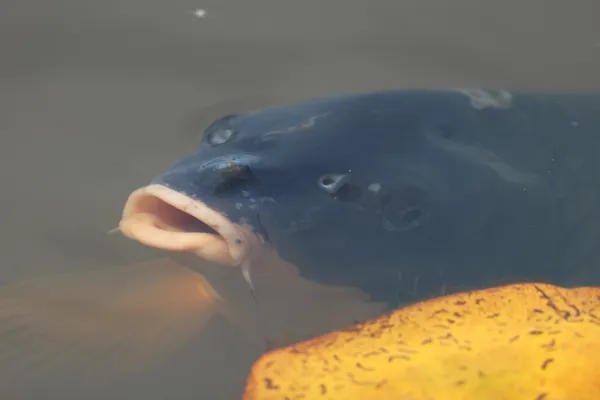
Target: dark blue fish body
[[411, 190]]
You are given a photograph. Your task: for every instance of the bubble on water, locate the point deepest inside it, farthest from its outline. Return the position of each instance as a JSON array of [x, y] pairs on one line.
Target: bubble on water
[[200, 13]]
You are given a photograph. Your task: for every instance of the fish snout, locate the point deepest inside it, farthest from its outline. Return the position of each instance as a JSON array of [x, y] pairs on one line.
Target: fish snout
[[162, 217], [224, 176]]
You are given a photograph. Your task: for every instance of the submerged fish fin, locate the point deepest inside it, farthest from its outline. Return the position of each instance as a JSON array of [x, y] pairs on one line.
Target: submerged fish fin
[[101, 324]]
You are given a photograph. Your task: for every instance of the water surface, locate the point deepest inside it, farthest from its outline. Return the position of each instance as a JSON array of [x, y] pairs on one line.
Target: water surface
[[97, 97]]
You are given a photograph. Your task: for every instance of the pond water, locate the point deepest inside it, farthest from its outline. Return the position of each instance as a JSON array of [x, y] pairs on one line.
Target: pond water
[[96, 98]]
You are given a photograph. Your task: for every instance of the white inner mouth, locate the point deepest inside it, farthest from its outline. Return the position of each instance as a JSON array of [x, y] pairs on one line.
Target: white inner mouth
[[163, 218]]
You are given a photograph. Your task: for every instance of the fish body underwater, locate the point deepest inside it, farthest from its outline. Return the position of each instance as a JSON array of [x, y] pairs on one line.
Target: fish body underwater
[[399, 193]]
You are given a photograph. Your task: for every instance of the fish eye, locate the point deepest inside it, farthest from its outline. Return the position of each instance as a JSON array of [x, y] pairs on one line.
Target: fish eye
[[404, 210], [404, 220], [220, 136], [331, 183]]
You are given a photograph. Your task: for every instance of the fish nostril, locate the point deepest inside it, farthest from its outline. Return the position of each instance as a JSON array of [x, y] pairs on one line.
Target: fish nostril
[[221, 175], [230, 176], [228, 168]]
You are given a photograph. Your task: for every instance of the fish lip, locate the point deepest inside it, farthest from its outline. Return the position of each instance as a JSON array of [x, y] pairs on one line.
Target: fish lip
[[148, 210]]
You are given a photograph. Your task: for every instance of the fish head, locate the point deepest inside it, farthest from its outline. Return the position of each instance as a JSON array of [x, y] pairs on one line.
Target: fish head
[[339, 186]]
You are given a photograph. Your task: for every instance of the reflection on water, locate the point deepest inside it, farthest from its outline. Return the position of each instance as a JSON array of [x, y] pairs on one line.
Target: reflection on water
[[98, 97]]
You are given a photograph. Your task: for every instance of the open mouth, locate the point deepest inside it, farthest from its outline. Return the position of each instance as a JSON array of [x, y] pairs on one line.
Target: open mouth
[[163, 218]]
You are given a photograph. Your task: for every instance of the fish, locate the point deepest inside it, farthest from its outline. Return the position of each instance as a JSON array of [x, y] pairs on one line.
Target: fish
[[519, 341], [102, 325], [405, 194]]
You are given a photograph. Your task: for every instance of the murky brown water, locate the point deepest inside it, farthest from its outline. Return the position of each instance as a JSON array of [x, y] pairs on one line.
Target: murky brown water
[[96, 97]]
